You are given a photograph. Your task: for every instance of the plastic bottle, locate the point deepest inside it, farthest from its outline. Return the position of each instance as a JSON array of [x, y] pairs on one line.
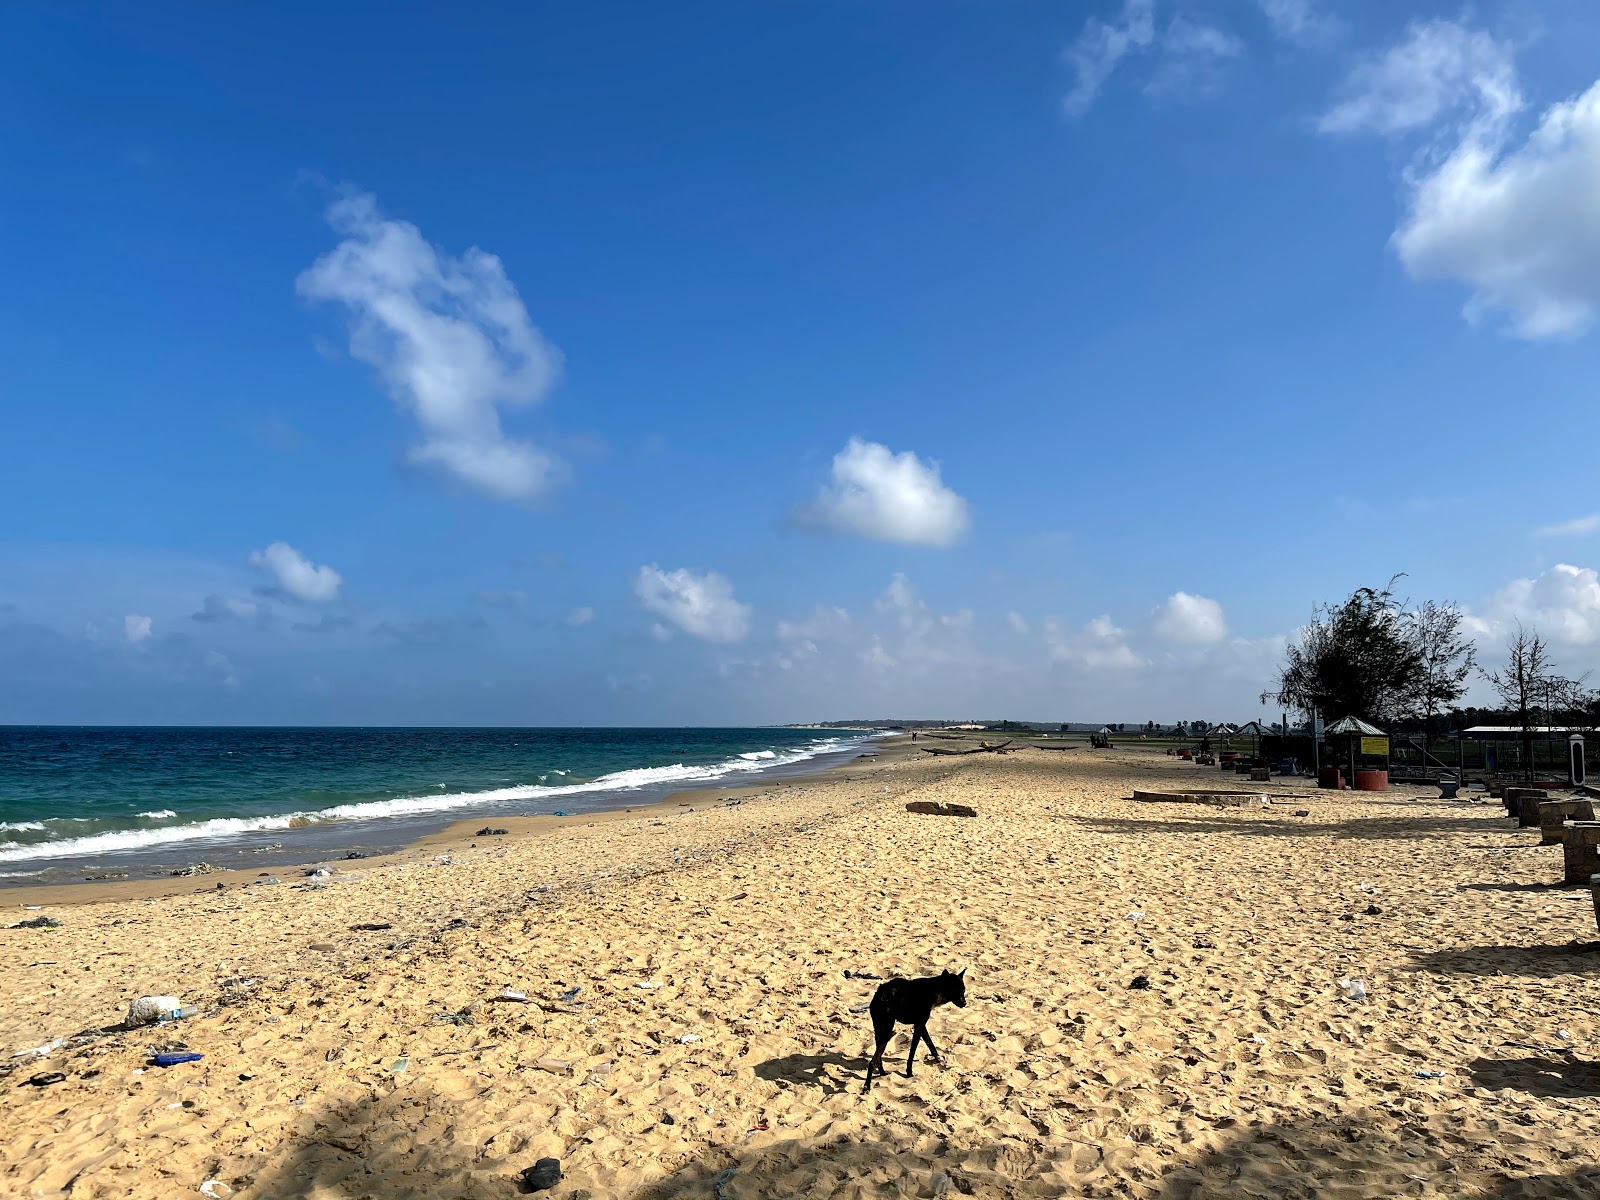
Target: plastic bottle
[[178, 1014]]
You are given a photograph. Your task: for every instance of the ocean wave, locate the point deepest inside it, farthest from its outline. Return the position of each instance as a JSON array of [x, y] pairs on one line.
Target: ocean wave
[[160, 814], [752, 757], [22, 826], [220, 828]]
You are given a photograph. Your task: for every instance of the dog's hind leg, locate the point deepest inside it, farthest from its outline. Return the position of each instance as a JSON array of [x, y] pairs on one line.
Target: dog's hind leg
[[883, 1032]]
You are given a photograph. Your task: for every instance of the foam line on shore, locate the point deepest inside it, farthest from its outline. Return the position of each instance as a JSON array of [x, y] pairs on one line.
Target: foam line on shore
[[220, 828]]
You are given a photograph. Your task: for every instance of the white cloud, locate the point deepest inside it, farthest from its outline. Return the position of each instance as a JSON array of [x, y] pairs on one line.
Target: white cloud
[[802, 638], [579, 616], [297, 576], [1100, 645], [1190, 56], [1190, 619], [1440, 67], [1519, 226], [136, 628], [701, 605], [450, 338], [877, 657], [1101, 46], [1194, 59], [1517, 222], [1577, 527], [1018, 623], [1563, 604], [889, 497], [1301, 22]]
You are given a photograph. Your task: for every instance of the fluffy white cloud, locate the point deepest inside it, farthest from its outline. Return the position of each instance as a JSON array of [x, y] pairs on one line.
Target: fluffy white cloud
[[1190, 619], [1440, 67], [1301, 22], [1517, 222], [1519, 226], [1100, 645], [1101, 46], [701, 605], [1563, 604], [1577, 527], [136, 628], [450, 338], [889, 497], [296, 575]]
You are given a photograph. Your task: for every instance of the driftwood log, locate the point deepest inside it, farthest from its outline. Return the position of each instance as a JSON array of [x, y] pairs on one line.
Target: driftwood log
[[934, 809], [1036, 746], [984, 749]]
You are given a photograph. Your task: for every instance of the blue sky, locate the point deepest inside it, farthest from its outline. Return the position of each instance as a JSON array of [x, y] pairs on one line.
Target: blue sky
[[731, 363]]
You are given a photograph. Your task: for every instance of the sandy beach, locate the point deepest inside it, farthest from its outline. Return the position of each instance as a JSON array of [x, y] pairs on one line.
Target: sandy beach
[[1155, 1007]]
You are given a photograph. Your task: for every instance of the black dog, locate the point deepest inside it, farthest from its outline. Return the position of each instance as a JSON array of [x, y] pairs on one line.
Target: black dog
[[910, 1002]]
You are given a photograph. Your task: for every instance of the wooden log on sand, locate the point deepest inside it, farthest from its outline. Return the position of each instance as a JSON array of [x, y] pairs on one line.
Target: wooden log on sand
[[1555, 813], [983, 749], [934, 809], [1580, 850]]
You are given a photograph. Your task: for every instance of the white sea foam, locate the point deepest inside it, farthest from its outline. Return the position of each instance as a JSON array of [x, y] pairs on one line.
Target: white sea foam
[[220, 828], [160, 814], [22, 826]]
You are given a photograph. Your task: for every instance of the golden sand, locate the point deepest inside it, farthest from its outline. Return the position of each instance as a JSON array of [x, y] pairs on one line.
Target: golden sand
[[1202, 1049]]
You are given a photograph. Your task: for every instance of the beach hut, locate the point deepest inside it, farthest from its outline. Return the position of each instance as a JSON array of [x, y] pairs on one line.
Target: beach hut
[[1360, 747]]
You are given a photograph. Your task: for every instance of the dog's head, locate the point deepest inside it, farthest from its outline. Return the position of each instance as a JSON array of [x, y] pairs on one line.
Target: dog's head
[[953, 987]]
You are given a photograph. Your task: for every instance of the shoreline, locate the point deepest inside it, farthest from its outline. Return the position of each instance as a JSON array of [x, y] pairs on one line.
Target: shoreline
[[451, 836]]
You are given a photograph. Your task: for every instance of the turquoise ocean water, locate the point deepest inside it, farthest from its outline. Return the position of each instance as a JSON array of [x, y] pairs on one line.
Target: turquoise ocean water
[[82, 801]]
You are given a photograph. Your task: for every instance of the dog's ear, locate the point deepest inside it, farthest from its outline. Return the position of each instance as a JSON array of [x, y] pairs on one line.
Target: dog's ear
[[963, 973]]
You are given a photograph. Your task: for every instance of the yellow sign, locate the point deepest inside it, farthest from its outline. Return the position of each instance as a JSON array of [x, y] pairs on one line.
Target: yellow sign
[[1374, 745]]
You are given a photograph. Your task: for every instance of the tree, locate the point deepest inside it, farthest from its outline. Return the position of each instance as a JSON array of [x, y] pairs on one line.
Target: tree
[[1523, 683], [1354, 659], [1444, 662]]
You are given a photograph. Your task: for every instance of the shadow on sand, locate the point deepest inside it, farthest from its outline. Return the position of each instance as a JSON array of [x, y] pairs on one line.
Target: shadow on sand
[[1553, 1073], [812, 1070], [1172, 823], [1539, 962], [404, 1145]]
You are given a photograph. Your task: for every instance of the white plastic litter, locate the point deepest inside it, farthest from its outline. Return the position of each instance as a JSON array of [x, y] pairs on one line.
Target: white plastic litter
[[1135, 916], [1354, 989], [513, 994], [147, 1010], [1430, 1074], [648, 985], [942, 1184], [689, 1037], [861, 1008], [42, 1049], [1564, 1034], [216, 1189]]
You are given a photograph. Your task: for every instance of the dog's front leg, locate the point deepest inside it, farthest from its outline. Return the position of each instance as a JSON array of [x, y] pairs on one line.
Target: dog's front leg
[[917, 1031], [932, 1049]]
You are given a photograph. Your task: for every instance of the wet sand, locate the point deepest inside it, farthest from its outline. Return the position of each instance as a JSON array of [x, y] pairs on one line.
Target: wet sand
[[1201, 1048]]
